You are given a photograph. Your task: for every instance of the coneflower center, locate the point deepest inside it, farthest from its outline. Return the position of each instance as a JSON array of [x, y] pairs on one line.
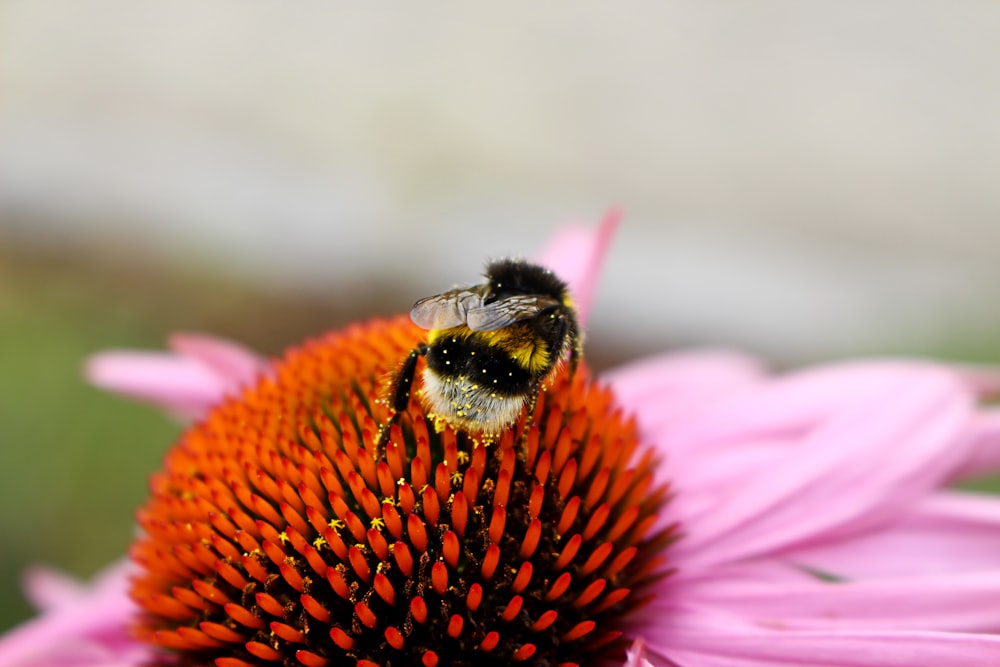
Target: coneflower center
[[273, 537]]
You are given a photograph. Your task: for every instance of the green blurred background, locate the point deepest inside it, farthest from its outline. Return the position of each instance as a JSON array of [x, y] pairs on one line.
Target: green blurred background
[[806, 182]]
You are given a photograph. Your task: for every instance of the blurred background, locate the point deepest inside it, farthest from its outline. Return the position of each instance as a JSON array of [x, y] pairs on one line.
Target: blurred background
[[804, 181]]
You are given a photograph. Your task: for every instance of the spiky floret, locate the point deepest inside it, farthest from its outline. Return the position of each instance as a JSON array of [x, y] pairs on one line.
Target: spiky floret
[[271, 536]]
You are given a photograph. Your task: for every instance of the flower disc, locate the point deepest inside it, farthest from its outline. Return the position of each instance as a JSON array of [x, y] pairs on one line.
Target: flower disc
[[273, 535]]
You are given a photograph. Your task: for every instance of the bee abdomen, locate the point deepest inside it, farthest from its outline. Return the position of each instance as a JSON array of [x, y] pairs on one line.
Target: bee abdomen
[[470, 405]]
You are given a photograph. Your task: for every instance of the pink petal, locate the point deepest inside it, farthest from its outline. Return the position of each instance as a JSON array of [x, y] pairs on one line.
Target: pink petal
[[635, 656], [951, 602], [230, 360], [849, 448], [662, 391], [185, 387], [793, 405], [983, 380], [659, 390], [576, 254], [90, 629], [778, 648], [64, 652], [47, 588], [985, 458], [948, 532], [187, 383]]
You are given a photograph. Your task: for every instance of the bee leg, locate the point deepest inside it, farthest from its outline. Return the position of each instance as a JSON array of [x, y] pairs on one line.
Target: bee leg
[[522, 447], [576, 350], [574, 359], [399, 396]]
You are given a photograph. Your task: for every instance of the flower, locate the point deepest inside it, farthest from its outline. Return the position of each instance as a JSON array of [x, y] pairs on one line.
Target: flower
[[812, 513]]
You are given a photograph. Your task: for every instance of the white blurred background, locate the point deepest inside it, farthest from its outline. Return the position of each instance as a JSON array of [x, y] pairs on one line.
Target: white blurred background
[[803, 179]]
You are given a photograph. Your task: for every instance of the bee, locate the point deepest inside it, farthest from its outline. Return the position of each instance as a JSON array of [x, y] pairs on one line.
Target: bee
[[490, 348]]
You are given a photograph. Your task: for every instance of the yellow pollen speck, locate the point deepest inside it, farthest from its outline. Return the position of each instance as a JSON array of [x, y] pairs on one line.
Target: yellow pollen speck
[[283, 536], [378, 523]]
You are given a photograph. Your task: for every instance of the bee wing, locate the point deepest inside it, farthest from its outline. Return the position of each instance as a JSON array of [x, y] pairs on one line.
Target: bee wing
[[498, 314], [447, 310]]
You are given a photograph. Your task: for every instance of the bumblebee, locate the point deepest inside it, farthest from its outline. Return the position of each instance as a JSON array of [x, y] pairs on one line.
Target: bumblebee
[[489, 349]]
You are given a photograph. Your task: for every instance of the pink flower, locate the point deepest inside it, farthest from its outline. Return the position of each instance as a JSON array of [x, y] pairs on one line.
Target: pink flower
[[816, 519]]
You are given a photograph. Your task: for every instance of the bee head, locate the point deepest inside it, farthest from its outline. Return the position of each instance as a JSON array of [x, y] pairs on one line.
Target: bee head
[[509, 277]]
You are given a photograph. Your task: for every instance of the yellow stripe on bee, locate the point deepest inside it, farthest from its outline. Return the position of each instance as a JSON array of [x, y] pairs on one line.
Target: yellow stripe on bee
[[533, 357], [454, 332], [517, 341], [527, 351]]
